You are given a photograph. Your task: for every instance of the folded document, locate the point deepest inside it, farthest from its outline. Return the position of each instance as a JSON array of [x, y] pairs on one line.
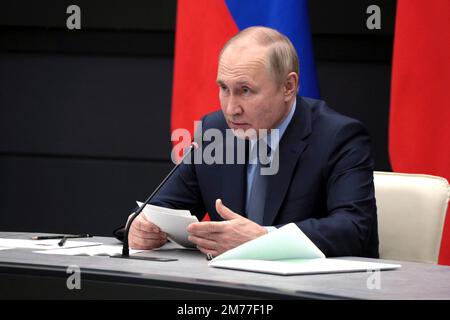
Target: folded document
[[288, 251], [171, 221]]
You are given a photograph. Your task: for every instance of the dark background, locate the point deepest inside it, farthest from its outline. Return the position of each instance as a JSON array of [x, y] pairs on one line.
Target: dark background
[[85, 114]]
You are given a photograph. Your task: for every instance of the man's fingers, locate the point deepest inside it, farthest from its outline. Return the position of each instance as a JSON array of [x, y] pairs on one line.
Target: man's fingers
[[147, 235], [145, 244], [206, 251], [205, 227], [142, 224], [204, 234], [202, 242], [224, 211], [139, 239]]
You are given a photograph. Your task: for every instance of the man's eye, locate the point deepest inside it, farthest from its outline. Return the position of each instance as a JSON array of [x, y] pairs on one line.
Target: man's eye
[[246, 90]]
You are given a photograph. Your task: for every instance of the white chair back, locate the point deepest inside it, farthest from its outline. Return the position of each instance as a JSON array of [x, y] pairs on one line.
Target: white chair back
[[411, 212]]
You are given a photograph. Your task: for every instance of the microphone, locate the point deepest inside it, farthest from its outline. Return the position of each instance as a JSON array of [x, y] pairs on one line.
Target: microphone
[[126, 248]]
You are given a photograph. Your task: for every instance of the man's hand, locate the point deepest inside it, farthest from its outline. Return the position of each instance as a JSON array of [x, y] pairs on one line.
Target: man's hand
[[219, 236], [145, 235]]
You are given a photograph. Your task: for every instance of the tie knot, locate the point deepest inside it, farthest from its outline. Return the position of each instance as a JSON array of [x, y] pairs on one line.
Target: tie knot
[[260, 153]]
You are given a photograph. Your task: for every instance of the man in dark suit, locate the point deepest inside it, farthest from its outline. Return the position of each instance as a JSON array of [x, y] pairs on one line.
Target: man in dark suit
[[324, 181]]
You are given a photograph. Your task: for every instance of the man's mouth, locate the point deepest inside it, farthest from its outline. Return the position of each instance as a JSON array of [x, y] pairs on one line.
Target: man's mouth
[[239, 124]]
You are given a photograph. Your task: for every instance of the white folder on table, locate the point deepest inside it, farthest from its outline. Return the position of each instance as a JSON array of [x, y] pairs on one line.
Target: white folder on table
[[288, 251]]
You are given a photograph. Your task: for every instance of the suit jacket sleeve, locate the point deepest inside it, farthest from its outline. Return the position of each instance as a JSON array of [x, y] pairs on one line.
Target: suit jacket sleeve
[[348, 173], [182, 190]]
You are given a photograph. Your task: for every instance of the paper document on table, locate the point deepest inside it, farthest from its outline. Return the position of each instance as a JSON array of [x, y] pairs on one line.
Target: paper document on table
[[105, 250], [171, 221], [101, 250], [303, 266], [287, 242], [288, 251], [44, 244]]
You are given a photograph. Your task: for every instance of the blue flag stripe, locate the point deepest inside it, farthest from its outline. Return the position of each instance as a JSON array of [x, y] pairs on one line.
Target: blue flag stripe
[[291, 18]]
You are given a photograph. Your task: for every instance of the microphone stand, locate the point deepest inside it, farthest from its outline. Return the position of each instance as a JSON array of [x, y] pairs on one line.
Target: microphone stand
[[126, 248]]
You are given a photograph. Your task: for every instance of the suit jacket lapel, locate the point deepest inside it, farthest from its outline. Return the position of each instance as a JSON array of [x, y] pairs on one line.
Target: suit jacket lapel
[[291, 147]]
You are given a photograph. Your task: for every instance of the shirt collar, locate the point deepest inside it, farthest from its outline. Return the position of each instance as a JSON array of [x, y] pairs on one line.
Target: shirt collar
[[273, 143]]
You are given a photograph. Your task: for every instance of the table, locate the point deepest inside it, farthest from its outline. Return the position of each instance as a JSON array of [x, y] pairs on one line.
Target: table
[[25, 274]]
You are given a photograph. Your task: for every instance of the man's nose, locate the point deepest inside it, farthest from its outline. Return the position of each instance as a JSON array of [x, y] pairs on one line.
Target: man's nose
[[233, 106]]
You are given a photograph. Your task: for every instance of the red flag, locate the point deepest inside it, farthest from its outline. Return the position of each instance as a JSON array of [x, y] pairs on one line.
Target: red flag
[[419, 130], [202, 28]]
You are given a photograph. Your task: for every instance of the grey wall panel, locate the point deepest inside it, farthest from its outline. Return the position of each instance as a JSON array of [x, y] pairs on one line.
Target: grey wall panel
[[361, 91], [72, 195], [85, 114], [98, 14], [85, 105]]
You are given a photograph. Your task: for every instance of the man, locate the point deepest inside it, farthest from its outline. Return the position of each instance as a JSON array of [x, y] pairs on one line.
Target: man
[[325, 179]]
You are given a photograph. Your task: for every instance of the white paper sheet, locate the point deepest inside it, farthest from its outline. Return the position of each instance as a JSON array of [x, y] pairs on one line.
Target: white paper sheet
[[101, 250], [303, 266], [173, 222], [44, 244]]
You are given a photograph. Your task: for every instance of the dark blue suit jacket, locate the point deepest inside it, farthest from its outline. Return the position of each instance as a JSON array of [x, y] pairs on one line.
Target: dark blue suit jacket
[[324, 183]]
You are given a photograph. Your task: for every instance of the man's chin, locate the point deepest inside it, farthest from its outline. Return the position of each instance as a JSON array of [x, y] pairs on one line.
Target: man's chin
[[249, 134]]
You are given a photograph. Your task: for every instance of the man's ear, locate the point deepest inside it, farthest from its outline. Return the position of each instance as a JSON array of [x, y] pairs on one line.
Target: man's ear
[[290, 86]]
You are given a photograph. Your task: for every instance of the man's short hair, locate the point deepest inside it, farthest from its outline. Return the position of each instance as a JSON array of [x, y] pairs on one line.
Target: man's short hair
[[282, 55]]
